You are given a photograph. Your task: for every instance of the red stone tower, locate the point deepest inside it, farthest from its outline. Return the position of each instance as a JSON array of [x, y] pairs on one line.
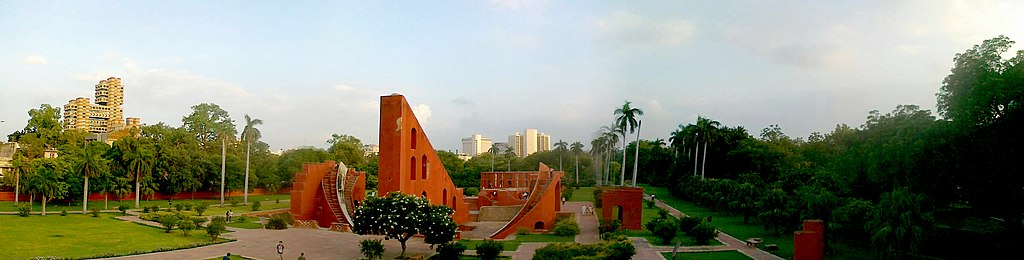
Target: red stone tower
[[409, 163]]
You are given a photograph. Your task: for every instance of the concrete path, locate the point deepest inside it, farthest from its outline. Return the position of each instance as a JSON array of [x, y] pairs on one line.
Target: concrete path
[[588, 224], [730, 243]]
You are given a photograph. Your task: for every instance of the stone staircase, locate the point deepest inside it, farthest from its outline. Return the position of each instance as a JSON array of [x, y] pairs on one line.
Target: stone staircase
[[330, 188], [540, 186]]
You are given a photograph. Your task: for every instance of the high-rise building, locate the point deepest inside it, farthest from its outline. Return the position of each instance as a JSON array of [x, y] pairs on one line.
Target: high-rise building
[[476, 144], [104, 117], [543, 142], [529, 142]]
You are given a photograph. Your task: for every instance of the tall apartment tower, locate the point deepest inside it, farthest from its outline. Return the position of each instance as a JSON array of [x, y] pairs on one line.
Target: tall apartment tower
[[543, 142], [516, 142], [104, 116], [476, 144]]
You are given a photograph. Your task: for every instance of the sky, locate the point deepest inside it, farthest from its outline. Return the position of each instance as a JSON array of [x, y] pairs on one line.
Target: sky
[[311, 69]]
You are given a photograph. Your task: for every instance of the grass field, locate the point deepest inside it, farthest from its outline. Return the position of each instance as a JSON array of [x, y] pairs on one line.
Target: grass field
[[267, 202], [723, 255], [83, 236], [512, 245], [649, 214], [732, 225], [583, 194]]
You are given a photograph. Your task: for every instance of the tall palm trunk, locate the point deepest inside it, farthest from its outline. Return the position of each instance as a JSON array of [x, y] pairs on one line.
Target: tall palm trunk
[[137, 180], [696, 149], [577, 168], [44, 204], [245, 194], [17, 186], [705, 160], [223, 167], [636, 157], [622, 176], [104, 200], [85, 197]]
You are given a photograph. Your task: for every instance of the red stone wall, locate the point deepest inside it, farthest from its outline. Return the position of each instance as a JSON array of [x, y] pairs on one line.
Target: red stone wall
[[809, 244], [543, 210], [631, 199], [405, 152], [306, 191], [96, 196]]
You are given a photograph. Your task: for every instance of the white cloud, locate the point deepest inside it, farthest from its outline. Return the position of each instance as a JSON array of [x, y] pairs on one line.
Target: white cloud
[[516, 5], [635, 31], [422, 112], [343, 88], [34, 59]]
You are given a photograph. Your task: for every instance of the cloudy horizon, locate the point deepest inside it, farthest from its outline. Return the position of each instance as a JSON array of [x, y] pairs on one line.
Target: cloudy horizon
[[312, 69]]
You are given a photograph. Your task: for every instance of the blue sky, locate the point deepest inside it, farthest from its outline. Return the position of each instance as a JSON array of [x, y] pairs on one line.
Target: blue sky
[[310, 69]]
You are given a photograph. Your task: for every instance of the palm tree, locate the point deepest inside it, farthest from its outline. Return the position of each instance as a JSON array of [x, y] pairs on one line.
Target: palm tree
[[576, 149], [509, 154], [88, 167], [249, 134], [597, 150], [494, 152], [137, 158], [627, 119], [610, 135], [708, 130], [560, 148], [21, 167]]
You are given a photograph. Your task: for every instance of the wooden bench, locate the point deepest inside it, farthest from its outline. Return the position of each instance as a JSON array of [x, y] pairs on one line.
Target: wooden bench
[[753, 242], [771, 247]]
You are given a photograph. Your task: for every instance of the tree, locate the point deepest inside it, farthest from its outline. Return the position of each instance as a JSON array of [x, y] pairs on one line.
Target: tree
[[627, 119], [399, 216], [980, 87], [706, 131], [576, 149], [900, 222], [249, 134], [20, 167], [560, 148], [90, 165], [137, 158], [48, 179], [208, 123]]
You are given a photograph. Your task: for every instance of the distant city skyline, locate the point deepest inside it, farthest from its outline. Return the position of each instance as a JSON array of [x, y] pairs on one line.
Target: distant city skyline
[[312, 69]]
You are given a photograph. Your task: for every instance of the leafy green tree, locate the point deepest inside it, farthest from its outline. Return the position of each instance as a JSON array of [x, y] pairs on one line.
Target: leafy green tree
[[249, 134], [136, 157], [626, 119], [346, 148], [91, 164], [399, 216], [663, 228], [48, 179], [900, 222]]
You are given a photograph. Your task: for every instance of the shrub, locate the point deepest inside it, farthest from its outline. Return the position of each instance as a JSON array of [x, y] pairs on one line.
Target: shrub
[[371, 248], [277, 223], [651, 204], [200, 208], [63, 212], [662, 214], [621, 250], [95, 213], [185, 225], [145, 209], [187, 206], [567, 227], [663, 228], [567, 194], [198, 221], [610, 226], [471, 191], [597, 197], [179, 206], [686, 223], [123, 208], [215, 228], [156, 208], [168, 222], [450, 250], [155, 216], [522, 231], [617, 247], [234, 202], [703, 233], [24, 209], [489, 249], [255, 206], [277, 201], [286, 216]]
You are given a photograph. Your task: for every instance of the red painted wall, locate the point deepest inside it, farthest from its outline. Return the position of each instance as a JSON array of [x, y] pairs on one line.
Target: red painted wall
[[809, 244], [631, 201], [306, 191], [405, 152], [539, 209]]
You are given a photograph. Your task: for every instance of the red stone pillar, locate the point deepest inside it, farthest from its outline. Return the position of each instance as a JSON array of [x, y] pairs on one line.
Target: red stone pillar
[[809, 244]]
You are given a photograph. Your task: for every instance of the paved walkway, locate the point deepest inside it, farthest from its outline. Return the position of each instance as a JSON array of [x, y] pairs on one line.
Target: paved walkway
[[730, 243], [588, 224]]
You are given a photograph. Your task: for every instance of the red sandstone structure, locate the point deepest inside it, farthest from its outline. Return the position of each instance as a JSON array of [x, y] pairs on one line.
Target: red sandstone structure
[[327, 194], [809, 244], [626, 202]]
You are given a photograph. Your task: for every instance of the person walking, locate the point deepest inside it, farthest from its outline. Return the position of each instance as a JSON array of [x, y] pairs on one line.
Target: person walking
[[227, 257], [280, 250], [302, 256]]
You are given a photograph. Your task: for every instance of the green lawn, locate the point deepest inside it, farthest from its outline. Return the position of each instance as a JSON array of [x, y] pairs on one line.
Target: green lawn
[[732, 225], [267, 202], [512, 245], [583, 194], [82, 236], [648, 214], [250, 223], [723, 255]]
